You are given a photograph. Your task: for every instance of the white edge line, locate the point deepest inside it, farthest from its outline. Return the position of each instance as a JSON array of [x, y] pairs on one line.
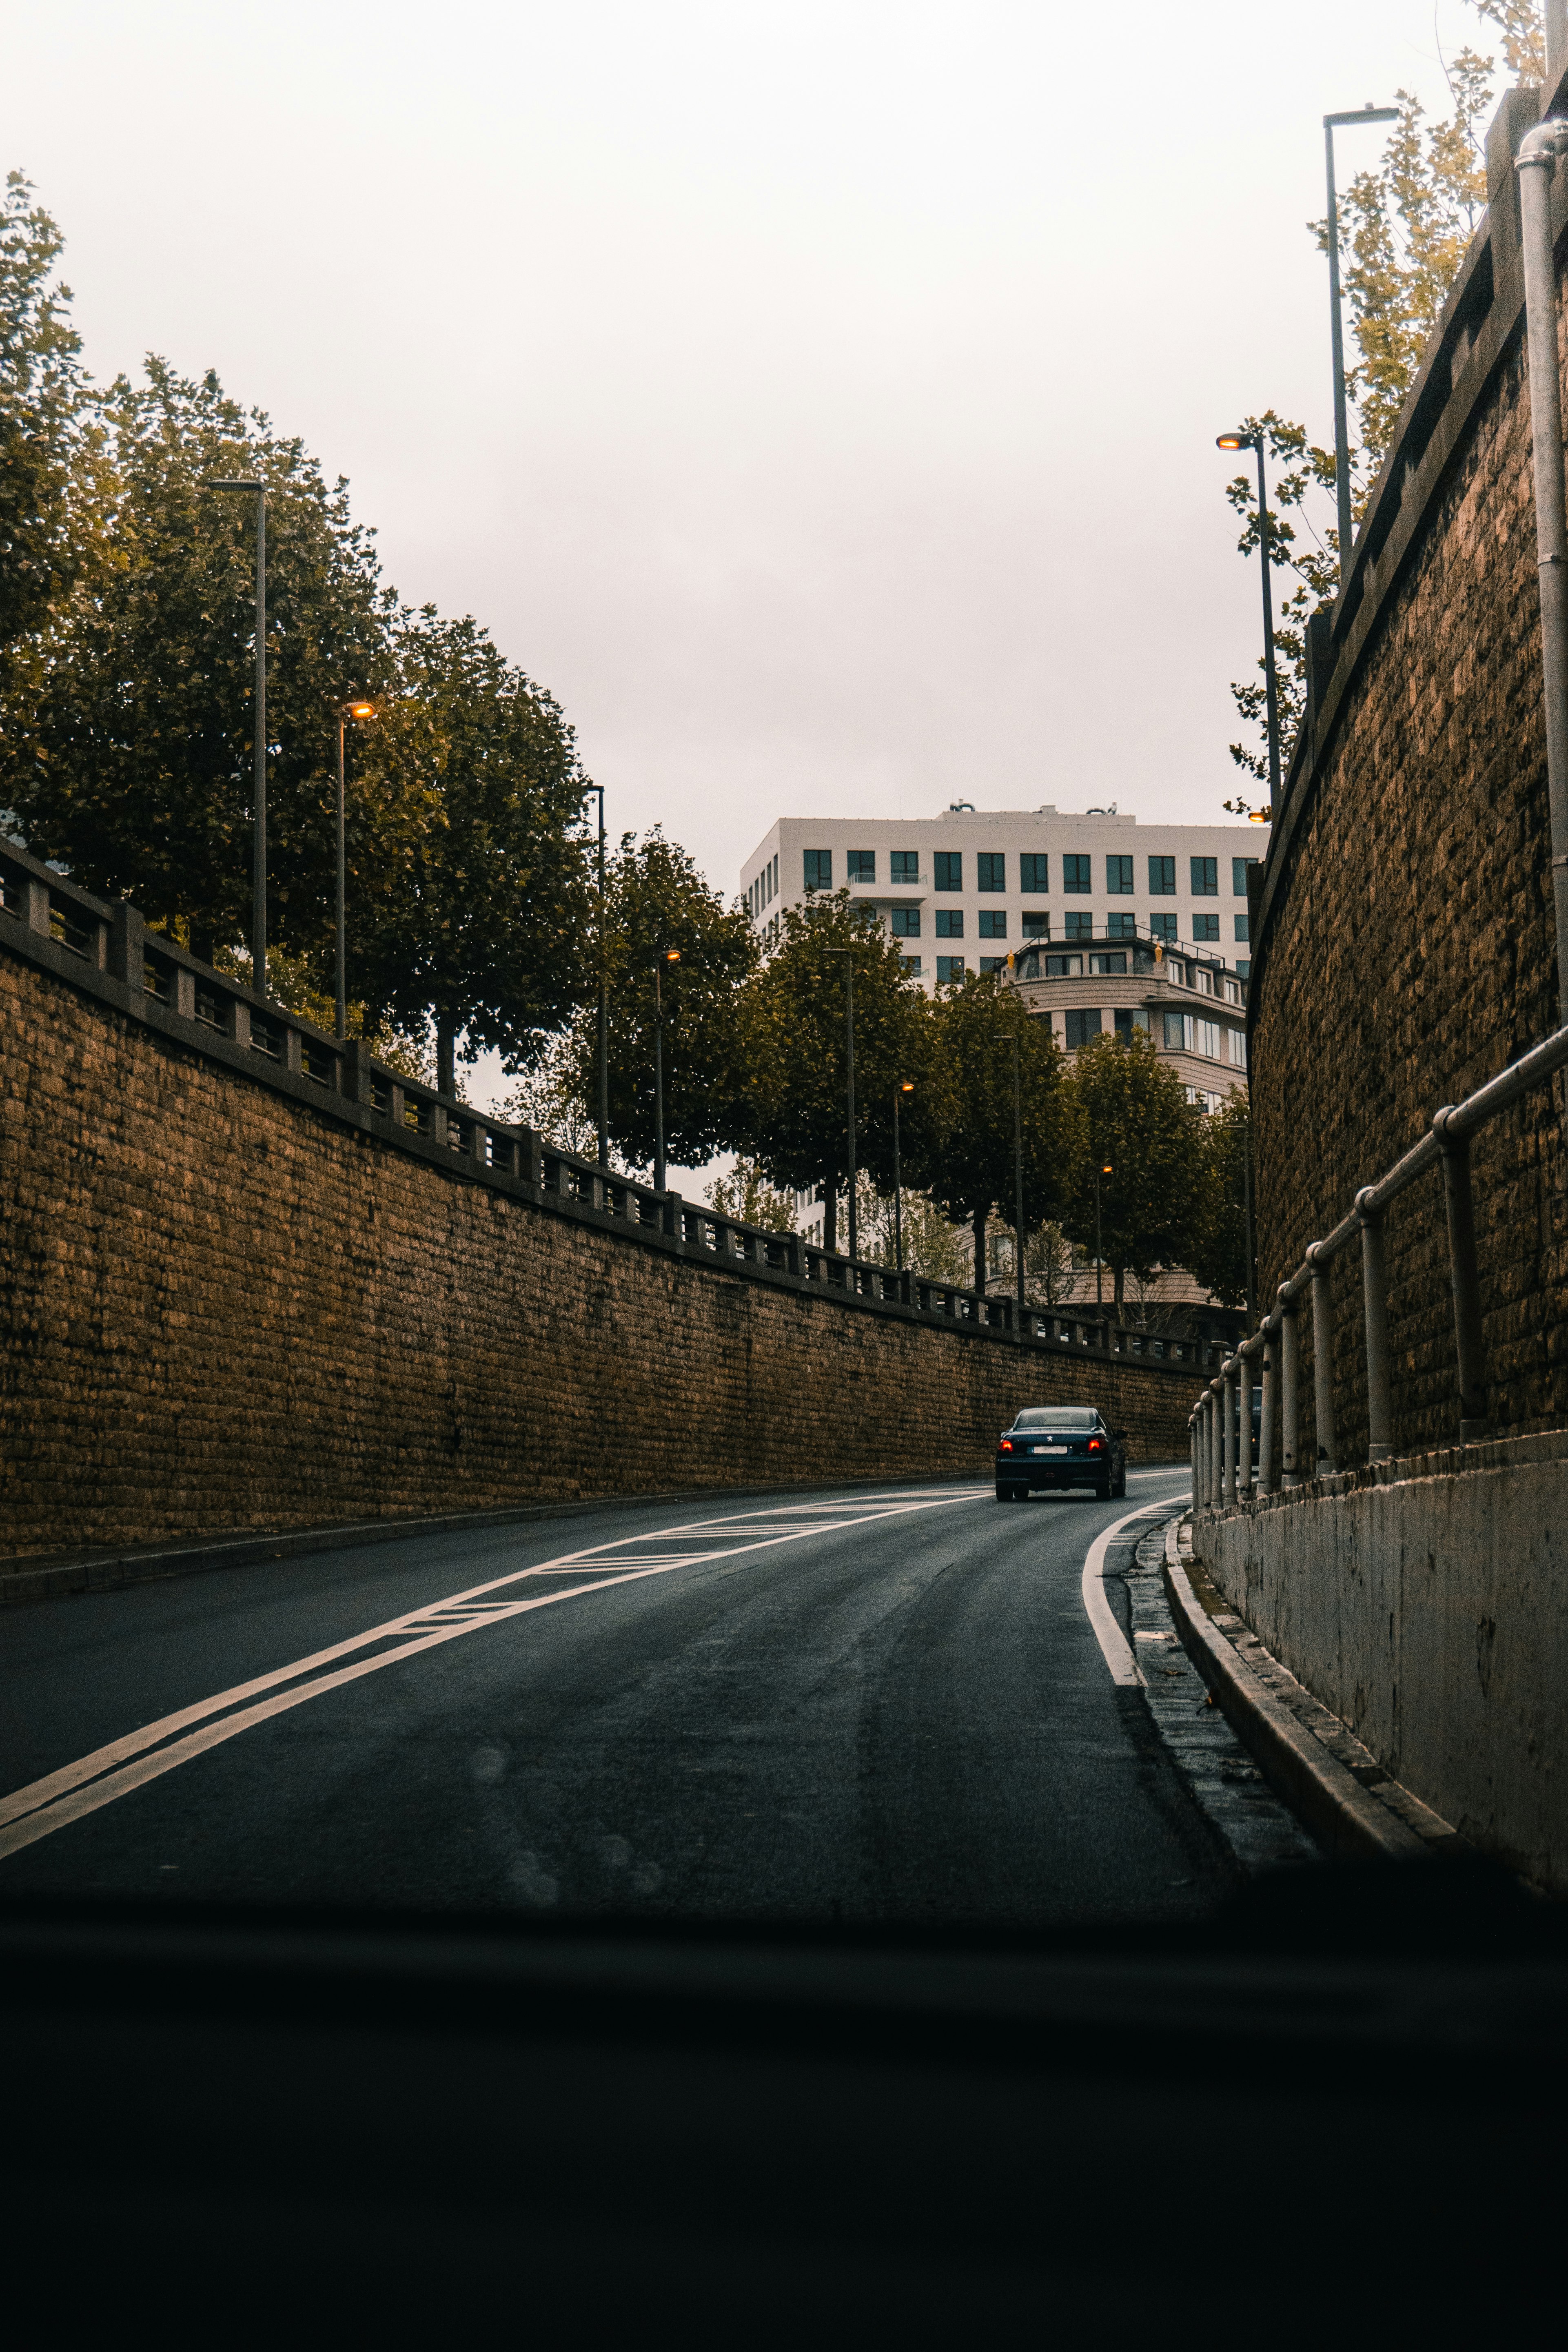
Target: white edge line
[[1114, 1645]]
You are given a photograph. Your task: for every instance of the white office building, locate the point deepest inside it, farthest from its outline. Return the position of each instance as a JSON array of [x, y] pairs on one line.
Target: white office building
[[964, 888], [1112, 925]]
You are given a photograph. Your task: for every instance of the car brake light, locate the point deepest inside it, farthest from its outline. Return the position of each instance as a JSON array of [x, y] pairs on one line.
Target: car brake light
[[1094, 1445], [1004, 1446]]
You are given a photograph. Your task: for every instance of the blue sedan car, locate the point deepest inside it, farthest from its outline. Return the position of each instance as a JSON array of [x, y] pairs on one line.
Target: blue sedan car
[[1059, 1446]]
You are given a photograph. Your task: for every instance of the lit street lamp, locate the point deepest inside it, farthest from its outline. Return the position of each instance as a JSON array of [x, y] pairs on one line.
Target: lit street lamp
[[905, 1088], [670, 955], [1011, 1039], [1255, 441], [1101, 1168], [1368, 113], [259, 809], [345, 710], [603, 999]]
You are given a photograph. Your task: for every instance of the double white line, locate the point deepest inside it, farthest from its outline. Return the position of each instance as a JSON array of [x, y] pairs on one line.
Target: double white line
[[30, 1813]]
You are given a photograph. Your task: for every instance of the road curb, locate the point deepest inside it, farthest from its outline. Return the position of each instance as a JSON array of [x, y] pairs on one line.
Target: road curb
[[109, 1571], [1347, 1819]]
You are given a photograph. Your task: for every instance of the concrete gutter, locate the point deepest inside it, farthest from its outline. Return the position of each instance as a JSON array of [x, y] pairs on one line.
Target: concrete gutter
[[1306, 1754]]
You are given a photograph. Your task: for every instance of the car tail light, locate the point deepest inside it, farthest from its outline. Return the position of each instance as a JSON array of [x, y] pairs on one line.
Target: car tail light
[[1004, 1446], [1094, 1445]]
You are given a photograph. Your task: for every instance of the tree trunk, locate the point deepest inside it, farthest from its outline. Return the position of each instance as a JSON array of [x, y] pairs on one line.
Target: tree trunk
[[446, 1057], [830, 1214], [981, 1214]]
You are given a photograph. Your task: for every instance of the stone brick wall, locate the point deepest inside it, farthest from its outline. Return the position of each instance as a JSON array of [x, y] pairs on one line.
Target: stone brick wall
[[1403, 947], [223, 1308]]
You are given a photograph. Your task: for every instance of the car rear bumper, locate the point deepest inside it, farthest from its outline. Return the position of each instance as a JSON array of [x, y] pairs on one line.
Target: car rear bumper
[[1014, 1473]]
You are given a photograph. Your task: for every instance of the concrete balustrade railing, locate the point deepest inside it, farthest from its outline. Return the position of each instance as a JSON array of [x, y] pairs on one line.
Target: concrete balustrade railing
[[1221, 1419], [109, 951]]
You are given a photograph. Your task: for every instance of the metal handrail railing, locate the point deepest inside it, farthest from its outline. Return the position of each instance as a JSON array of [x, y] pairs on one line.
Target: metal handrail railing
[[1221, 1421]]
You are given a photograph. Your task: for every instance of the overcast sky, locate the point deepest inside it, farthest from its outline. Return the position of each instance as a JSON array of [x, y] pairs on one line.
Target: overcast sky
[[820, 400]]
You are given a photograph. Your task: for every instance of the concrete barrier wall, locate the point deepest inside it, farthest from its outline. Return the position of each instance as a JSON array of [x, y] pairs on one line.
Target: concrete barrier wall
[[224, 1304], [1426, 1603]]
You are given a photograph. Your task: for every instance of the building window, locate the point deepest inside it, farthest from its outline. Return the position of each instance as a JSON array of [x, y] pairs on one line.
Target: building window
[[1121, 927], [819, 869], [1242, 933], [1205, 927], [993, 963], [1081, 1027], [1034, 873], [1079, 927], [1119, 877], [1179, 1032], [1240, 867], [1124, 1022], [950, 922], [1036, 926], [993, 923], [1239, 1049], [1064, 967], [861, 864], [1162, 878], [947, 869], [991, 870], [1162, 927], [1110, 959], [1075, 877], [911, 967], [905, 922], [949, 967], [1205, 877], [1243, 970], [1206, 1039], [904, 865]]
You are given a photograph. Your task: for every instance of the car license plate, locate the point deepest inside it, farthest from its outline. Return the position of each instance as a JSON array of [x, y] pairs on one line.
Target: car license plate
[[1050, 1449]]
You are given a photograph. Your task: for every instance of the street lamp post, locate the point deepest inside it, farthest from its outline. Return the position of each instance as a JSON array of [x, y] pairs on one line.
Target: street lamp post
[[670, 955], [1333, 122], [1101, 1168], [905, 1088], [346, 711], [259, 809], [849, 1069], [604, 1122], [1012, 1039], [1255, 441]]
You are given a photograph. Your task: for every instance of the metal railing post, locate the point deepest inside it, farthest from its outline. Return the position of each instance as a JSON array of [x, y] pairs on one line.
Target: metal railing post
[[1324, 1365], [1193, 1453], [1374, 1296], [1244, 1429], [1269, 1414], [1228, 1406], [1290, 1393], [1468, 1345], [1211, 1431]]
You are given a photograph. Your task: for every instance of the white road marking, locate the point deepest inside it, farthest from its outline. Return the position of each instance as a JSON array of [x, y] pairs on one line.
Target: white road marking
[[1114, 1645], [30, 1813]]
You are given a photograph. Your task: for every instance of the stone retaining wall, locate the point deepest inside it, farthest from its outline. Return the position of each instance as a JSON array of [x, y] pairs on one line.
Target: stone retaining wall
[[222, 1306]]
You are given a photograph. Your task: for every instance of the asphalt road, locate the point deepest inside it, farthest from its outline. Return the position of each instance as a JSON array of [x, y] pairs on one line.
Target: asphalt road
[[815, 1707]]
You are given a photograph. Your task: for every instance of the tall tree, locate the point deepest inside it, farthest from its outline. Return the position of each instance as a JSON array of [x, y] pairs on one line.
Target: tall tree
[[137, 768], [1215, 1254], [1404, 228], [656, 900], [473, 908], [975, 1160], [47, 440], [793, 1034], [1136, 1121]]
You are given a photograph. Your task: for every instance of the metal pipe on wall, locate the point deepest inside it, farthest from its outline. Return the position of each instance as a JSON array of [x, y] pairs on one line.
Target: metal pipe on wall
[[1374, 1296], [1268, 1415], [1536, 164], [1324, 1365], [1290, 1395]]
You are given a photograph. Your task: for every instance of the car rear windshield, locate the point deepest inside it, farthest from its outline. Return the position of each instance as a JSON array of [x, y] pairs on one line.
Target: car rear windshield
[[1057, 1416]]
